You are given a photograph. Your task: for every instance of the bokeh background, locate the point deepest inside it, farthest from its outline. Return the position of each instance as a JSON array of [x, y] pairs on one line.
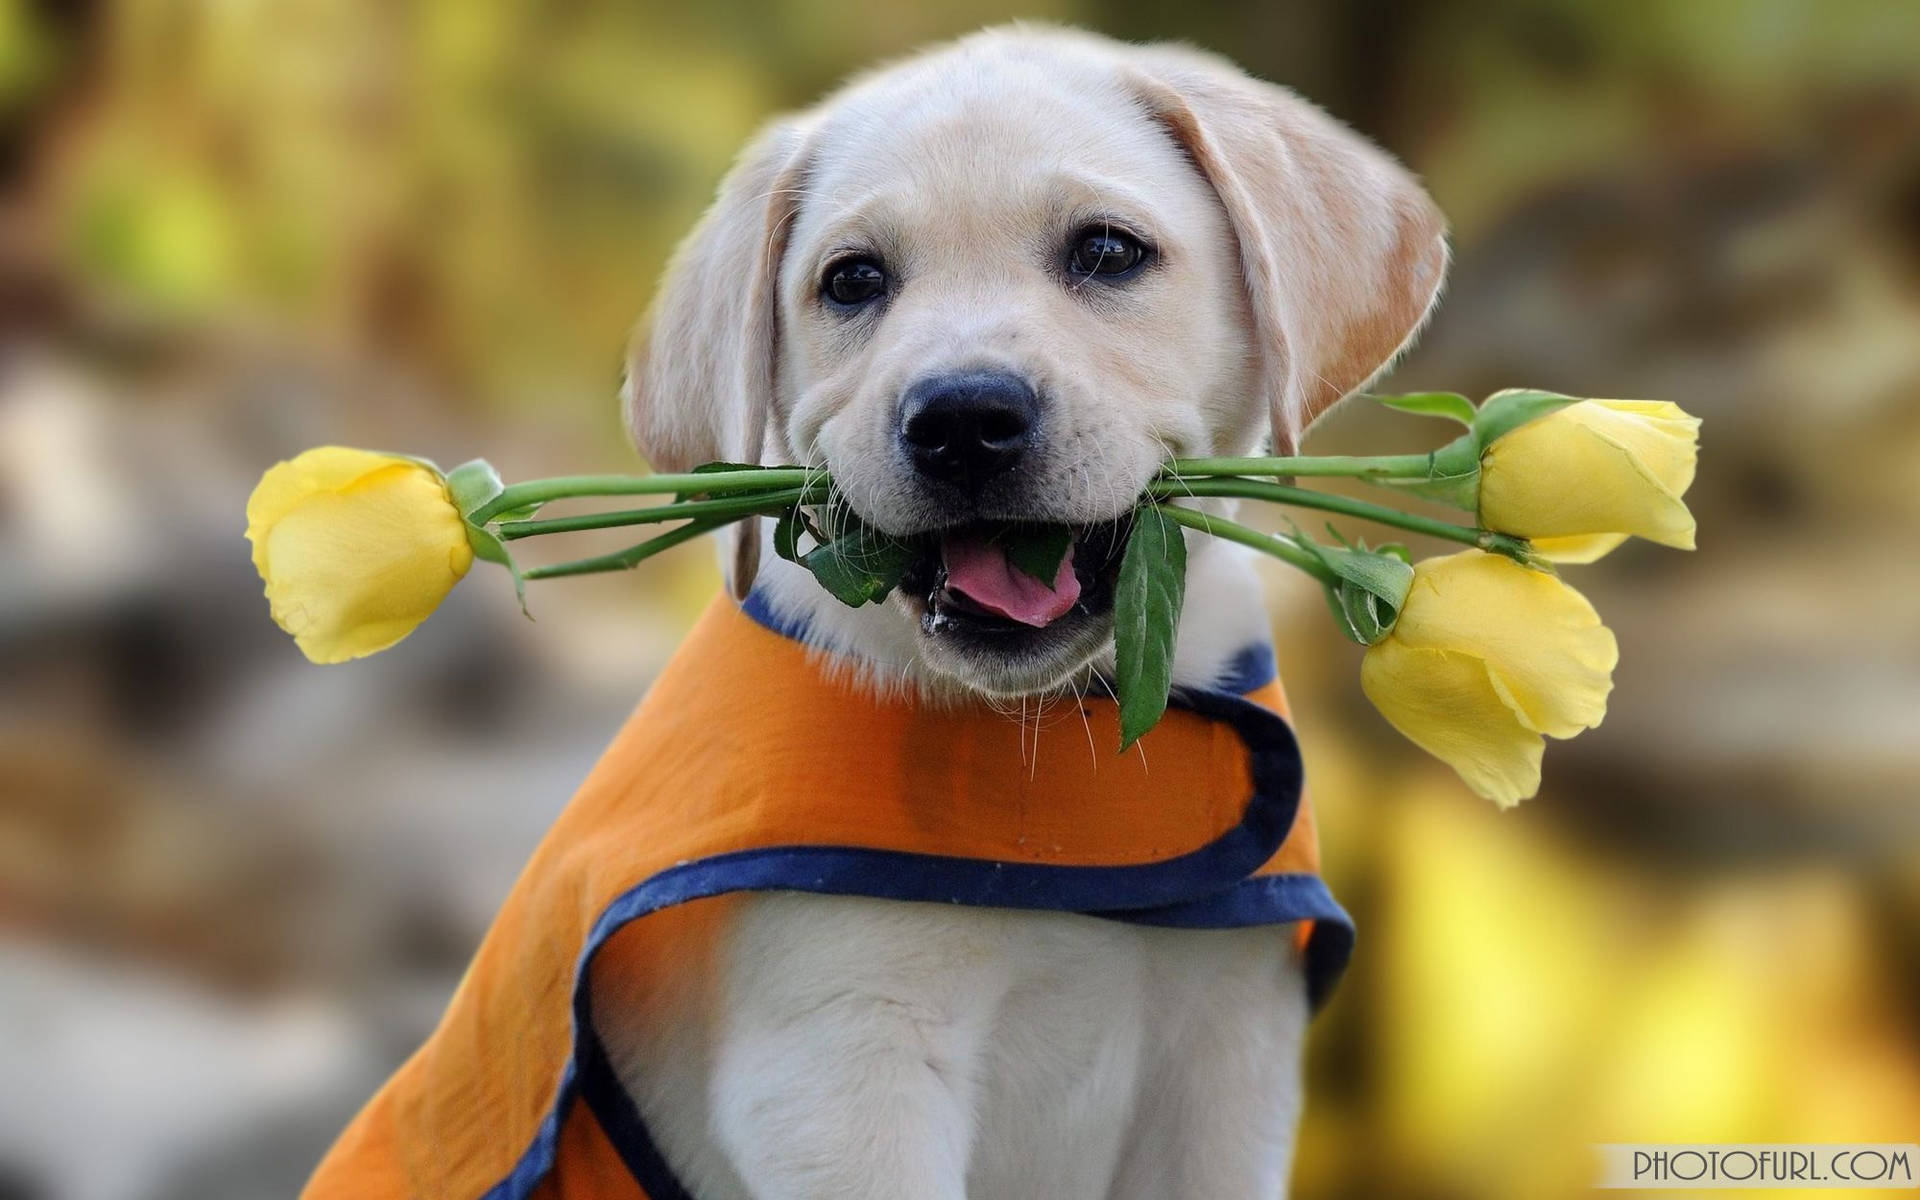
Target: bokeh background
[[235, 889]]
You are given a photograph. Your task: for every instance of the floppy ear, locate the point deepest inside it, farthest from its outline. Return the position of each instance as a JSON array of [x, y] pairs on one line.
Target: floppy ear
[[1342, 250], [700, 373]]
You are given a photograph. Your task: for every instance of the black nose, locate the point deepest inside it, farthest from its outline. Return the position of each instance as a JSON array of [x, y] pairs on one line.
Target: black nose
[[965, 428]]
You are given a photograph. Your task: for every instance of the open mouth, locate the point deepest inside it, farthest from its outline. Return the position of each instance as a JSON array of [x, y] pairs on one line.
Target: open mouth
[[1008, 582]]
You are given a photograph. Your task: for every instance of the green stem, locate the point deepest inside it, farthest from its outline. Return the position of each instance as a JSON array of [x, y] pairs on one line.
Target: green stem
[[746, 492], [724, 507], [1255, 489], [1279, 546], [632, 556], [1379, 466], [541, 491]]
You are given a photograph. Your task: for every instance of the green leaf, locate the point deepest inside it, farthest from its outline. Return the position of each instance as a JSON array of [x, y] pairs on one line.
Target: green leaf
[[786, 535], [1369, 618], [522, 513], [1453, 475], [714, 468], [1506, 411], [1450, 405], [472, 484], [1381, 575], [1038, 550], [1146, 615], [489, 547], [1368, 589], [1341, 616], [860, 566]]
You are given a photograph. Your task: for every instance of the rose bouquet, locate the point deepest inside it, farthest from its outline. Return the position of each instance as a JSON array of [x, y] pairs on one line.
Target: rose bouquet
[[1477, 656]]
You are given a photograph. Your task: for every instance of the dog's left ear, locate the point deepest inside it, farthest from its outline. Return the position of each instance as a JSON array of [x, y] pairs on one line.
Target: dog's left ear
[[1342, 250]]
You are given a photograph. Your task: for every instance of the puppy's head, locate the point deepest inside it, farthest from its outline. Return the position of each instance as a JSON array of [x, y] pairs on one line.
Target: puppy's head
[[999, 284]]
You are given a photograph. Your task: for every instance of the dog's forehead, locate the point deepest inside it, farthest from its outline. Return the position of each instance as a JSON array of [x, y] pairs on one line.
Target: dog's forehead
[[989, 136]]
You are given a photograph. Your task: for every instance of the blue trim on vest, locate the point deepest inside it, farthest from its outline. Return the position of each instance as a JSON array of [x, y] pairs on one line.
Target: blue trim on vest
[[1260, 902], [1205, 888], [757, 606], [1248, 671], [535, 1164]]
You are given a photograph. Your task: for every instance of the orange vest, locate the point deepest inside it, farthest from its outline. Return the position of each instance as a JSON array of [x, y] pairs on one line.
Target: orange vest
[[749, 766]]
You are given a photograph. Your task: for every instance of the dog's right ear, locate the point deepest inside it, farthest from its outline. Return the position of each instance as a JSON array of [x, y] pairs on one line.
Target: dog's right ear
[[700, 372]]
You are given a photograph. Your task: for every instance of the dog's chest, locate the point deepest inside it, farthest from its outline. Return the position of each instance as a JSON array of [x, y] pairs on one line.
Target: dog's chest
[[1074, 1054]]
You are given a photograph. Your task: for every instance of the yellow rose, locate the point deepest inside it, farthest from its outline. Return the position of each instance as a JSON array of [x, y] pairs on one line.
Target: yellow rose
[[1584, 478], [1486, 657], [356, 548]]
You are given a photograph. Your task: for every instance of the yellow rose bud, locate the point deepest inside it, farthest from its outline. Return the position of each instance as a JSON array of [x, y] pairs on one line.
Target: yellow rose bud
[[1584, 478], [1487, 657], [356, 548]]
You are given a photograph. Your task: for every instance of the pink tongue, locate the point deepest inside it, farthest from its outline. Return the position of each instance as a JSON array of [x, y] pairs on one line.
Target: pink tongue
[[980, 570]]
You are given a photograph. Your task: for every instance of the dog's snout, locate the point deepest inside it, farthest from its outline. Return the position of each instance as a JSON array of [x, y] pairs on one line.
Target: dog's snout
[[968, 427]]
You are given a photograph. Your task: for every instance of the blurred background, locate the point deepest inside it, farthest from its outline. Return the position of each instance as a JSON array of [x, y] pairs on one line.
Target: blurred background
[[236, 889]]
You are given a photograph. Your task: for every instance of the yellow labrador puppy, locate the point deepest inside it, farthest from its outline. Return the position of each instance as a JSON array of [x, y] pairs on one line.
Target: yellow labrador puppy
[[1005, 280]]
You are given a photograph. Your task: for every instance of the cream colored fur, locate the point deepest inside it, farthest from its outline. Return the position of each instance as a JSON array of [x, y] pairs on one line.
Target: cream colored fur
[[846, 1048]]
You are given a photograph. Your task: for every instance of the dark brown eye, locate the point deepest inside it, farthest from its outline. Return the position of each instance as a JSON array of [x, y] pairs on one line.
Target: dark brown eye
[[1104, 252], [852, 282]]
